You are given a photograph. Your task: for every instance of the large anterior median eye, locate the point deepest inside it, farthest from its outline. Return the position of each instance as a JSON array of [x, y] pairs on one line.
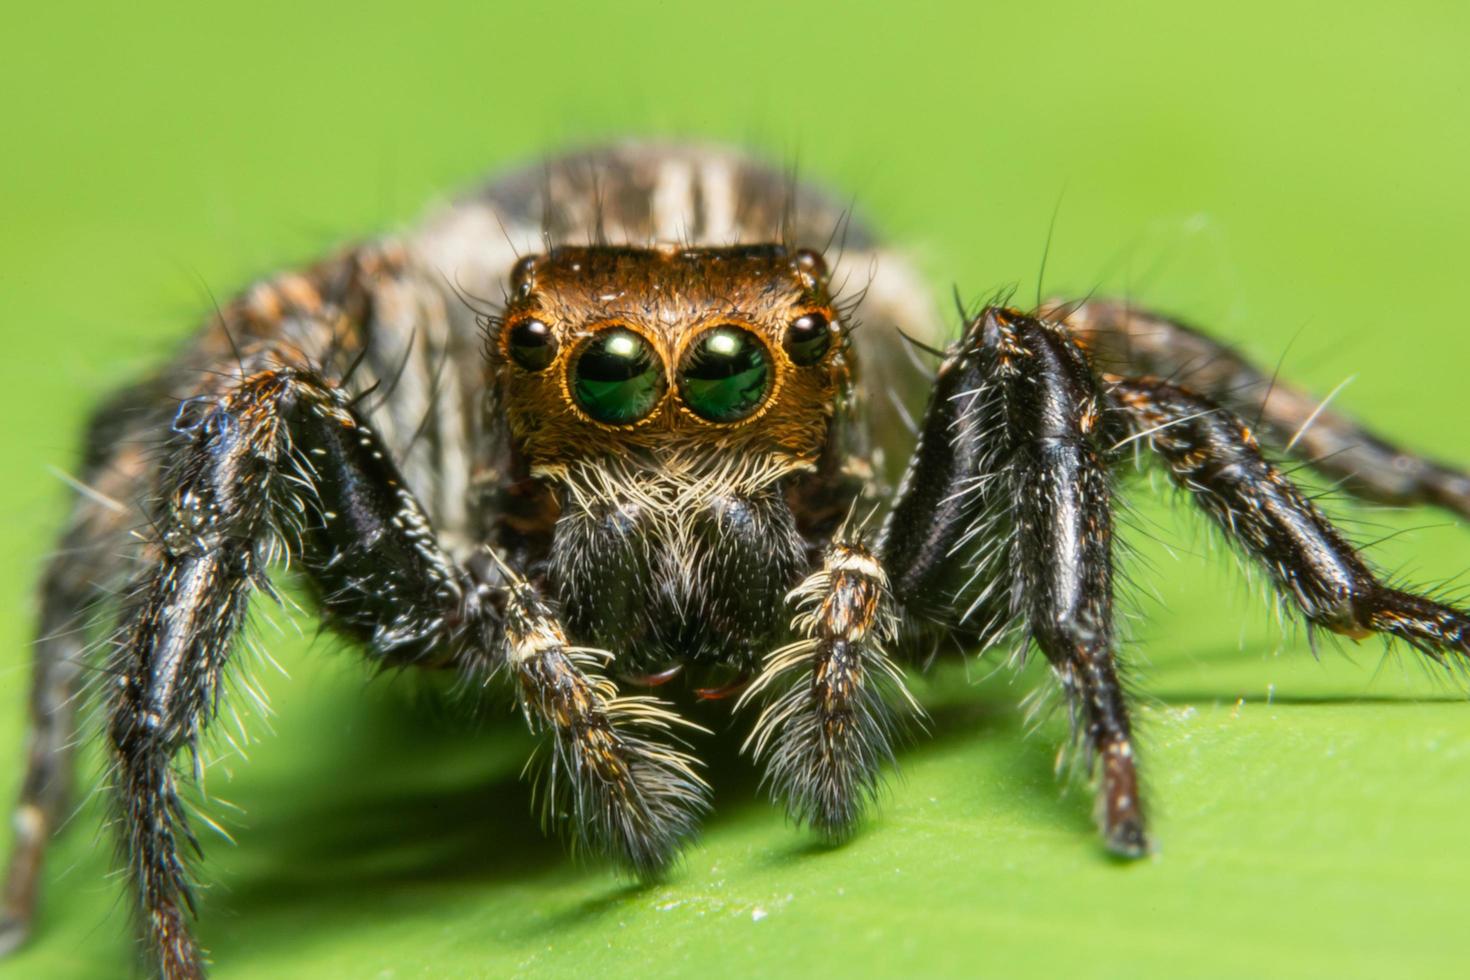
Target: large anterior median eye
[[617, 378], [725, 374]]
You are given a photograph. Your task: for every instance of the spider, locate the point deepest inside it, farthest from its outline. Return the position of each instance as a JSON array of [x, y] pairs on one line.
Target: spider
[[610, 422]]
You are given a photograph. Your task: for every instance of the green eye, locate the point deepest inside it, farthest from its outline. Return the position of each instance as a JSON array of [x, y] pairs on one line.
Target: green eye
[[725, 374], [617, 378]]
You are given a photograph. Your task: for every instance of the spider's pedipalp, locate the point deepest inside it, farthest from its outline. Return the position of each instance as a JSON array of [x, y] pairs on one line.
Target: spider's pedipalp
[[833, 698], [613, 779]]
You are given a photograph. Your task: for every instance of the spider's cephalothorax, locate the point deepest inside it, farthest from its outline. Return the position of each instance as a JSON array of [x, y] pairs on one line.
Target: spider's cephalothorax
[[621, 419], [677, 408]]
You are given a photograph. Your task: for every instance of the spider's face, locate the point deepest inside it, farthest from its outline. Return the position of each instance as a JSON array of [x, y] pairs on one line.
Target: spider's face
[[608, 351]]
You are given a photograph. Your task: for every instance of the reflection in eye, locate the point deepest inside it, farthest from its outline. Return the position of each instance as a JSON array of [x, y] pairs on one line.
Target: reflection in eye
[[617, 378], [725, 374], [532, 344], [807, 338]]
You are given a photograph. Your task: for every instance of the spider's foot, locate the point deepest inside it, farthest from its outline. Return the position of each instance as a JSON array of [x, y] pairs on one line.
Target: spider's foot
[[1441, 632], [178, 956], [14, 931], [1123, 826], [1127, 840]]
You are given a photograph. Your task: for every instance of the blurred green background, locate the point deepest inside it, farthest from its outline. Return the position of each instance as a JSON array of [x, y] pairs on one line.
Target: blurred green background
[[1292, 174]]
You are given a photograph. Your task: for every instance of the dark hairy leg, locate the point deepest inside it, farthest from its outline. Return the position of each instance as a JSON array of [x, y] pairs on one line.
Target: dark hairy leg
[[267, 458], [1129, 341], [1012, 452], [831, 696], [941, 542], [46, 789], [1212, 454], [89, 566], [1063, 548], [276, 463], [273, 459], [613, 785]]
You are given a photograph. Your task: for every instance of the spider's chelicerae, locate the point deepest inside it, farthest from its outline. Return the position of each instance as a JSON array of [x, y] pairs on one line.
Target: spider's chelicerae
[[612, 420]]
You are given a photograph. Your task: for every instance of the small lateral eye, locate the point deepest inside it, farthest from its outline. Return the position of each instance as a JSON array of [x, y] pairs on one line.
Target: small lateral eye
[[807, 338], [532, 344], [811, 263], [617, 378]]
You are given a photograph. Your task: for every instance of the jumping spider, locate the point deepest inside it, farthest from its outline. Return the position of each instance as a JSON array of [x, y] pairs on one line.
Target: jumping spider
[[604, 419]]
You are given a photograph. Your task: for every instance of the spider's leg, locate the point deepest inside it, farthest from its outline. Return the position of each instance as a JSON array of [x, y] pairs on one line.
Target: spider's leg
[[58, 657], [1007, 507], [89, 566], [946, 542], [613, 778], [255, 464], [279, 464], [1212, 454], [830, 725], [1134, 342], [70, 595], [182, 580]]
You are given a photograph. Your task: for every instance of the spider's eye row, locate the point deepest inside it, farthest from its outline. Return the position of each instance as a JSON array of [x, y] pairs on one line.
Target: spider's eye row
[[725, 374], [532, 344], [807, 338], [617, 378]]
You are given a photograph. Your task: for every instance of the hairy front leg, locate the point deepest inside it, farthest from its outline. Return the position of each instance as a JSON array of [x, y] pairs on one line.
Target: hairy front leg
[[273, 463], [1004, 522], [1124, 339], [1062, 547], [833, 697], [129, 474], [277, 464], [208, 550]]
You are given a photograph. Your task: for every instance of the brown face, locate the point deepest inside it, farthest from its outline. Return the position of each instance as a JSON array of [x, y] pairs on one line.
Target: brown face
[[610, 350]]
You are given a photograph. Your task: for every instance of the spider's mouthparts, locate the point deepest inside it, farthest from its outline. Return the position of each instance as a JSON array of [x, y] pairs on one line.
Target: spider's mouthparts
[[724, 691], [658, 679], [718, 692]]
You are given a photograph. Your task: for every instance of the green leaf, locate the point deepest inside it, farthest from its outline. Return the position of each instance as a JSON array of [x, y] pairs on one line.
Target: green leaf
[[1292, 178]]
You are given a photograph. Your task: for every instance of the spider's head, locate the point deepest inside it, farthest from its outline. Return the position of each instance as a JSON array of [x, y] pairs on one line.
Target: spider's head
[[667, 394], [616, 351]]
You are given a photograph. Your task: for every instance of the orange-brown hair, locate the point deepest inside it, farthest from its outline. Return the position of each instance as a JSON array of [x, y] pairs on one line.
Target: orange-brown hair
[[667, 296]]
